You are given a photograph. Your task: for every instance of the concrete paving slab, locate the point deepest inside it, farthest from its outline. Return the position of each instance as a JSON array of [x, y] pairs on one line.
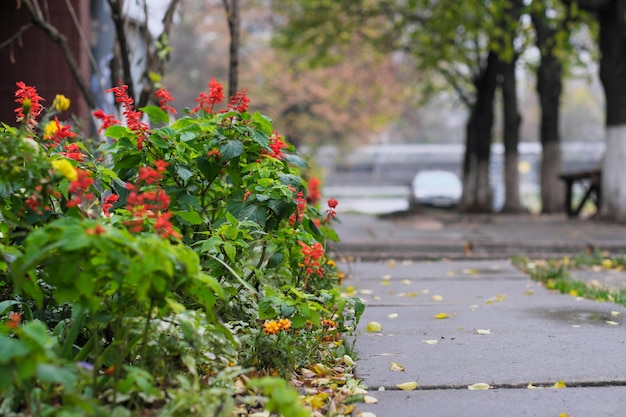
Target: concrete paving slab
[[537, 345], [574, 402], [399, 269], [535, 335], [442, 291], [612, 279]]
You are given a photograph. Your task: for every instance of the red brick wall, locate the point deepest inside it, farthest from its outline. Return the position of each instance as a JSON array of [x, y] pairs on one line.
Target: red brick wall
[[37, 60]]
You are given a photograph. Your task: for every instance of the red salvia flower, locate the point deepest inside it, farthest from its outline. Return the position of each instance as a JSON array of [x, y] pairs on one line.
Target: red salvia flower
[[72, 151], [133, 118], [207, 102], [276, 144], [331, 213], [239, 101], [313, 257], [164, 97], [60, 133], [313, 194], [108, 204], [301, 208], [163, 226], [107, 120], [30, 104]]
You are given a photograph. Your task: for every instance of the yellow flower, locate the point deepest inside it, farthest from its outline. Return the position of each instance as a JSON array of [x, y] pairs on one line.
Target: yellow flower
[[271, 327], [50, 130], [65, 168], [331, 263], [61, 103]]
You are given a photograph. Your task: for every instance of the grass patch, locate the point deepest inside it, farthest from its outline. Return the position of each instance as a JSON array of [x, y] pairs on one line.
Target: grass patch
[[555, 275]]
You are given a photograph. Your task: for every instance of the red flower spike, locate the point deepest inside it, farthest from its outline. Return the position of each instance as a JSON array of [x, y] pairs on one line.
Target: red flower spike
[[164, 97], [207, 102], [30, 104]]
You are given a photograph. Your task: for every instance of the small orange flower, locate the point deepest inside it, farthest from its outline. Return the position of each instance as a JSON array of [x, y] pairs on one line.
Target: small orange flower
[[110, 370], [284, 324], [329, 323], [14, 320], [271, 327]]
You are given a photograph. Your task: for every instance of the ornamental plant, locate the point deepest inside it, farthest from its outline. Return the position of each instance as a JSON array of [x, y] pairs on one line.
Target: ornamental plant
[[147, 268]]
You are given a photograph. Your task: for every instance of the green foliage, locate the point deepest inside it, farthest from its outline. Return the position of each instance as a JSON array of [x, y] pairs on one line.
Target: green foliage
[[144, 281], [555, 275]]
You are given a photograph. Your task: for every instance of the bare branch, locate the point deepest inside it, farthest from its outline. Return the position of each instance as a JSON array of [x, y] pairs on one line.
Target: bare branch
[[118, 21], [16, 35]]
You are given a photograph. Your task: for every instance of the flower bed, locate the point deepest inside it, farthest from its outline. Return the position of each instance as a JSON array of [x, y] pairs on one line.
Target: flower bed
[[176, 267]]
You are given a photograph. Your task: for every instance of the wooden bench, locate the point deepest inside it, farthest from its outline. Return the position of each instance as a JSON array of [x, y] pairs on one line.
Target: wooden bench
[[591, 182]]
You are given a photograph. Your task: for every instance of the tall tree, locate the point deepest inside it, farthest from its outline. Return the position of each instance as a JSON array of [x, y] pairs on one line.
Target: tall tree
[[549, 88], [231, 7], [611, 18]]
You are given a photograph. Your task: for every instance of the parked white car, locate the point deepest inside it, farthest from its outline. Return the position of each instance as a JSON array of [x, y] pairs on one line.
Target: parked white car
[[435, 188]]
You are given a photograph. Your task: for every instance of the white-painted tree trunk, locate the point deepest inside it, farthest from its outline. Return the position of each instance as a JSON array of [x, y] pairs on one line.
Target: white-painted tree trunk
[[613, 206]]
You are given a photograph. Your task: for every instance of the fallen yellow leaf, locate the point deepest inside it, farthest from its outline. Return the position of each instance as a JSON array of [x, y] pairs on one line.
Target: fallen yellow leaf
[[386, 277], [436, 298], [483, 331], [368, 399], [392, 316], [531, 386], [612, 323], [607, 264], [442, 316], [373, 326], [407, 386], [347, 359], [479, 386], [396, 367], [559, 384], [563, 415], [321, 369], [406, 282], [431, 341], [385, 283], [367, 414]]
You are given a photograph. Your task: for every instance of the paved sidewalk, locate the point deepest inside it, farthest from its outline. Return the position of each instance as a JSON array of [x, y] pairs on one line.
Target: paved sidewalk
[[499, 328], [450, 235]]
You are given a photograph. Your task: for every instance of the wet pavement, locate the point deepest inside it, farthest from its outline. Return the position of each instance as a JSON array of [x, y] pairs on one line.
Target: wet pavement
[[465, 321]]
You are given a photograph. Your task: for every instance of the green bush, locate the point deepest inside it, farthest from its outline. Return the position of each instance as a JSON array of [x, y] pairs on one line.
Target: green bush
[[141, 272]]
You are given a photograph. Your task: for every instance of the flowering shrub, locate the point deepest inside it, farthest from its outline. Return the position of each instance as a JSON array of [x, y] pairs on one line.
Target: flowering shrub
[[167, 253]]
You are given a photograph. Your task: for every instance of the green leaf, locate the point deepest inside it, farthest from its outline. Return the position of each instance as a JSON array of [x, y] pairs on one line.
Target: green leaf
[[230, 251], [159, 141], [74, 237], [117, 132], [209, 169], [231, 149], [11, 348], [128, 161], [295, 160], [191, 217], [275, 260], [183, 172], [56, 374], [187, 136], [7, 304], [156, 114]]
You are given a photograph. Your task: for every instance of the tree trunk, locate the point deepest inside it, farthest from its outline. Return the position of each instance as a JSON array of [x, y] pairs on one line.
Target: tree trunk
[[549, 87], [234, 26], [613, 74], [477, 195], [512, 121]]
